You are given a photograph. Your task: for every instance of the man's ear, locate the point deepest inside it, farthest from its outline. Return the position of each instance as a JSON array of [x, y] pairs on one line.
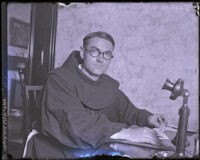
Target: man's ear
[[81, 52]]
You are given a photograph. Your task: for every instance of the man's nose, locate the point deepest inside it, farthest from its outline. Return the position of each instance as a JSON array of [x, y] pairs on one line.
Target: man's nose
[[100, 58]]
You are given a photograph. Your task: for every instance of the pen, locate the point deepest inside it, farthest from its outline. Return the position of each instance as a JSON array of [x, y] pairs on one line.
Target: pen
[[174, 127]]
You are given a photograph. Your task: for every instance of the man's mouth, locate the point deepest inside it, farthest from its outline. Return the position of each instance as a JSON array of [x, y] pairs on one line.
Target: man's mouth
[[98, 66]]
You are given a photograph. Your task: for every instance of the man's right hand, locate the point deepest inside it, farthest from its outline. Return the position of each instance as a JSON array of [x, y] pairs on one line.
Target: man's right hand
[[138, 134]]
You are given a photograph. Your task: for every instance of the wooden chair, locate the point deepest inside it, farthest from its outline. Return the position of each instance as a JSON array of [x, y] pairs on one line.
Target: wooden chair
[[31, 108]]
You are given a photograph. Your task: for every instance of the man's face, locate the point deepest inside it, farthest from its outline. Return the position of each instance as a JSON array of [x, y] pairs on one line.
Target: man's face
[[97, 65]]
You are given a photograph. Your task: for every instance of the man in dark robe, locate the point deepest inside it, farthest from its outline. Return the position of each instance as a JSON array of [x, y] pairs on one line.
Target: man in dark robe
[[82, 109]]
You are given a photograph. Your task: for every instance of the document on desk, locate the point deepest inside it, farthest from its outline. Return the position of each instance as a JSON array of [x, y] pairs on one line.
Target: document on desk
[[160, 132], [165, 144]]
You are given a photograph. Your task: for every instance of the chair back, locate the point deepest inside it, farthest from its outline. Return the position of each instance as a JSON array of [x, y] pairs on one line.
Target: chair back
[[31, 108]]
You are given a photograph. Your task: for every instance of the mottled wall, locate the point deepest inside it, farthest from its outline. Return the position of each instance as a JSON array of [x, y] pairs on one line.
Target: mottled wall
[[21, 11], [154, 41]]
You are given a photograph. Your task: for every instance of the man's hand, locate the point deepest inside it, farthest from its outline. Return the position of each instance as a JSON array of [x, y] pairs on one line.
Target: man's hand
[[139, 134], [157, 120]]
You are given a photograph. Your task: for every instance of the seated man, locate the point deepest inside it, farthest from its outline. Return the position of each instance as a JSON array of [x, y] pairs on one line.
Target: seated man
[[82, 109]]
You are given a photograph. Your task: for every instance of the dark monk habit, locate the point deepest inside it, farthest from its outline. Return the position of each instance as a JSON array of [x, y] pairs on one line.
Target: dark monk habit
[[79, 115]]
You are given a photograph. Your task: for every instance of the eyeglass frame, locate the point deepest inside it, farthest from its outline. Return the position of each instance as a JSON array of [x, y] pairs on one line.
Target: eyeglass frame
[[98, 52]]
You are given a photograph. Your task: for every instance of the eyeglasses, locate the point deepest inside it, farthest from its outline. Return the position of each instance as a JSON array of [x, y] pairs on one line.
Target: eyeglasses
[[95, 52]]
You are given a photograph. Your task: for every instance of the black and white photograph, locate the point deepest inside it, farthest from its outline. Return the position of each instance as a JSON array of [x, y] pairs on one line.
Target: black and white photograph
[[113, 80]]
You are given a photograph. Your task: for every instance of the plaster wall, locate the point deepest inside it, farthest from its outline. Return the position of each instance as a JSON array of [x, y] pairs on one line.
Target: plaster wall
[[154, 41]]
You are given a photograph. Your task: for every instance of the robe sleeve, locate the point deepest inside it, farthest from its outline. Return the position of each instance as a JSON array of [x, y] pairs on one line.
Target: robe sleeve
[[64, 118], [132, 115]]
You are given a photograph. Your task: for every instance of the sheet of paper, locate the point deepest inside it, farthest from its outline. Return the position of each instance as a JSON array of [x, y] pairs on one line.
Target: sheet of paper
[[160, 132]]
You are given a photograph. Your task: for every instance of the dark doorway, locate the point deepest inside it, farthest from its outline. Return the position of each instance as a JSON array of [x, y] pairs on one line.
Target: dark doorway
[[43, 23]]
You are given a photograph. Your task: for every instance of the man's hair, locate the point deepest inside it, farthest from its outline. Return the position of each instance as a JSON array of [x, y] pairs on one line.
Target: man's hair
[[99, 34]]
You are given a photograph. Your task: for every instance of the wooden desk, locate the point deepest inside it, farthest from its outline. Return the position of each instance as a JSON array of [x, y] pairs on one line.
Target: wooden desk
[[188, 150], [134, 151]]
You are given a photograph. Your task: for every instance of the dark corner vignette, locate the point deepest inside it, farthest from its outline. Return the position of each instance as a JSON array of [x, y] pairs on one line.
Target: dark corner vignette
[[196, 6]]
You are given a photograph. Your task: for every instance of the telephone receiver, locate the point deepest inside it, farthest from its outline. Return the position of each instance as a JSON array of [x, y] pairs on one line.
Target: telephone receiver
[[176, 88]]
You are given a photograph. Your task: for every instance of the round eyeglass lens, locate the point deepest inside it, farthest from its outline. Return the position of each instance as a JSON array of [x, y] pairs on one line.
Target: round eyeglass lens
[[107, 55], [94, 52]]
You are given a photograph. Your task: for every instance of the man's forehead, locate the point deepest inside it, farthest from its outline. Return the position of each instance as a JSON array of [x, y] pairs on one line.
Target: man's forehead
[[100, 43]]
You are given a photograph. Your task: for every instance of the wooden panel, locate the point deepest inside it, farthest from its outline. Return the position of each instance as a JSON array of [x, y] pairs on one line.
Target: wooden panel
[[42, 47]]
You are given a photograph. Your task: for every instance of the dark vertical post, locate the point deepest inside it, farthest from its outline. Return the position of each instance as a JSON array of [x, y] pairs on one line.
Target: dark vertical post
[[43, 37], [182, 126], [53, 36], [181, 136], [4, 76]]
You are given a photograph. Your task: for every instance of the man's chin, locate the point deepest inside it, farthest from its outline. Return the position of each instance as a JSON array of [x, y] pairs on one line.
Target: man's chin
[[97, 73]]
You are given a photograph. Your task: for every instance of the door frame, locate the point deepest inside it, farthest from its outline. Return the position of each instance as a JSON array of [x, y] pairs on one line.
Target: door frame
[[52, 41]]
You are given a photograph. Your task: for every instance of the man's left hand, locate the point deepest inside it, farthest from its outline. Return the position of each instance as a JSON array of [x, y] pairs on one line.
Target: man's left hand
[[157, 120]]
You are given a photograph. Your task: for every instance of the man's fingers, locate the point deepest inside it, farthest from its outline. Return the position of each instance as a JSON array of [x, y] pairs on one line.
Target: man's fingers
[[163, 118], [159, 119]]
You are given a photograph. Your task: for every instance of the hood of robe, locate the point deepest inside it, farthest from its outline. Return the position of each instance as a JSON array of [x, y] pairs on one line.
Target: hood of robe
[[92, 94]]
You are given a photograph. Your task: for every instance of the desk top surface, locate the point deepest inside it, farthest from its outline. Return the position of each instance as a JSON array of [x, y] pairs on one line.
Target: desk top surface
[[166, 145]]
